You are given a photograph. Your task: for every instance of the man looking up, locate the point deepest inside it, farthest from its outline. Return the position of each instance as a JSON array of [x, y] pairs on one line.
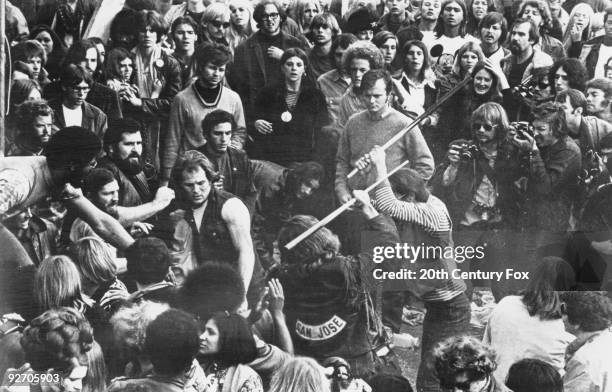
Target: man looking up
[[191, 105]]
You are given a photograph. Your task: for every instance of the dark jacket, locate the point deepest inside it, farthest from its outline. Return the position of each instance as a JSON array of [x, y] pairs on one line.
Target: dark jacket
[[552, 186], [291, 141], [508, 168], [102, 97], [587, 52], [247, 75], [93, 118], [326, 307]]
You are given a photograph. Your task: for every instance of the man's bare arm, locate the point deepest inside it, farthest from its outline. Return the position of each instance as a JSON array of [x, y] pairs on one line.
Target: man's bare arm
[[103, 224], [236, 216]]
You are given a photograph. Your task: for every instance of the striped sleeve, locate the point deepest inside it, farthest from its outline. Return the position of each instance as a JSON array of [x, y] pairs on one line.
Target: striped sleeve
[[428, 215]]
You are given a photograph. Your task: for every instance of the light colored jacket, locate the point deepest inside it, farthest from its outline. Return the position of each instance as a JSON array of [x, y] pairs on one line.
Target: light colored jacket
[[539, 60], [589, 367]]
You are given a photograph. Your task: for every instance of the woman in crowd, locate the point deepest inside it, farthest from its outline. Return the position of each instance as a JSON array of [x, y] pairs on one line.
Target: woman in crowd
[[417, 77], [304, 11], [565, 74], [55, 346], [550, 30], [476, 11], [388, 44], [54, 48], [559, 13], [29, 59], [158, 78], [226, 346], [242, 24], [215, 24], [580, 27], [119, 71], [290, 115], [445, 118], [533, 319], [300, 374]]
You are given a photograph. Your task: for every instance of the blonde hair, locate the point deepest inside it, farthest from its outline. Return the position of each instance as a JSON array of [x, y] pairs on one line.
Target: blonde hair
[[130, 325], [300, 374], [469, 46], [588, 10], [298, 13], [57, 283], [234, 36], [94, 259]]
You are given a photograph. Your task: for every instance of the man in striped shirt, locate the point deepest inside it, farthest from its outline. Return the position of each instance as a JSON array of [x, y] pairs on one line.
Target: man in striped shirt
[[423, 221]]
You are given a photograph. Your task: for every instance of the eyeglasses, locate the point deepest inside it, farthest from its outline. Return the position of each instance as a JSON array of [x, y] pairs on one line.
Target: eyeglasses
[[487, 127], [271, 16], [219, 24]]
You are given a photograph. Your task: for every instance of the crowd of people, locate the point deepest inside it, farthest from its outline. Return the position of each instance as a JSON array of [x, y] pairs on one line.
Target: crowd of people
[[163, 159]]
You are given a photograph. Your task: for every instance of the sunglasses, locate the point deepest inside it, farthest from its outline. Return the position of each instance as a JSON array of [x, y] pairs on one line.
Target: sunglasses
[[487, 127], [218, 24]]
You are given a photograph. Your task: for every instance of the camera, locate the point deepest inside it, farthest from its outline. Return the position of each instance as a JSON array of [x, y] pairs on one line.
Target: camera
[[521, 128], [468, 151]]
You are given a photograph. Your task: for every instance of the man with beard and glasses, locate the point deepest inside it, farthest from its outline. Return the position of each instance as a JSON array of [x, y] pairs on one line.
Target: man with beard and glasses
[[101, 188], [123, 146], [34, 121]]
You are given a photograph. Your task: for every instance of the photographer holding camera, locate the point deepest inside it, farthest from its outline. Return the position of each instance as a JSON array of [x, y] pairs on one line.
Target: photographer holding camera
[[551, 185], [477, 185]]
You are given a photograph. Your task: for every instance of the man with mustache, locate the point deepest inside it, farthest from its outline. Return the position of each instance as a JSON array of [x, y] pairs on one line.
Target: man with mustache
[[191, 105], [34, 121], [524, 58]]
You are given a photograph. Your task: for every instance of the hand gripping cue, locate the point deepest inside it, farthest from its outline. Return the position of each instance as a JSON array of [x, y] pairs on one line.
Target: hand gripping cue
[[291, 244], [419, 119]]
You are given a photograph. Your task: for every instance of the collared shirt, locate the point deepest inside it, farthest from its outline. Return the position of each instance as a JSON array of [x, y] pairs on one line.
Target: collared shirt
[[333, 86]]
